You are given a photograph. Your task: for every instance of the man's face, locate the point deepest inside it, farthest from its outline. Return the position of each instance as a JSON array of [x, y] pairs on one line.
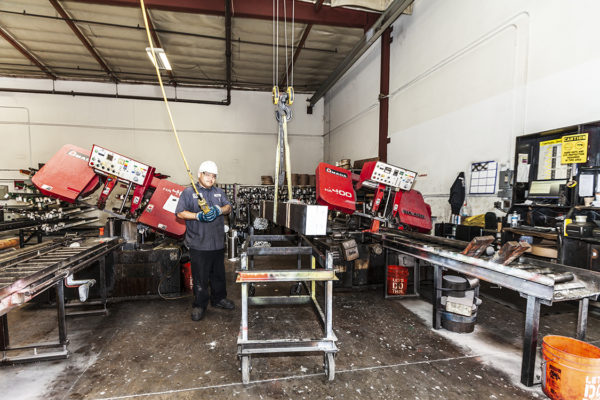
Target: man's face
[[207, 180]]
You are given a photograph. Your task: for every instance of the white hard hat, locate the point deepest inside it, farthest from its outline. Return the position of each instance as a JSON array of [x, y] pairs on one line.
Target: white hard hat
[[208, 166]]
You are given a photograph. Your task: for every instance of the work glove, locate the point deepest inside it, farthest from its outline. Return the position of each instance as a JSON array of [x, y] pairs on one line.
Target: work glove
[[217, 210], [214, 212], [202, 217]]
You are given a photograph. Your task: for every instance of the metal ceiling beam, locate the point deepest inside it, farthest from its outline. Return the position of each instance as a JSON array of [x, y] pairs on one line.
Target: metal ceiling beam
[[228, 4], [385, 20], [158, 44], [305, 13], [23, 50], [86, 43], [296, 53]]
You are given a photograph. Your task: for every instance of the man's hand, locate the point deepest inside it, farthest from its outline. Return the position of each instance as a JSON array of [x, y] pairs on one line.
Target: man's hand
[[217, 210], [202, 217]]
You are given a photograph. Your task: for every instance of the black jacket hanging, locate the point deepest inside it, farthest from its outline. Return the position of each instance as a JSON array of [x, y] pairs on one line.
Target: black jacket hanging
[[457, 193]]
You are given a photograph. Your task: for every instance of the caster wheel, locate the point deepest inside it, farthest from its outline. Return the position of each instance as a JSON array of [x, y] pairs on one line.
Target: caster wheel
[[329, 365], [296, 289]]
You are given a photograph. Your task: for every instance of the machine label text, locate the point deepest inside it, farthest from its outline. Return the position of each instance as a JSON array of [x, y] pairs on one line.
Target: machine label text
[[338, 173]]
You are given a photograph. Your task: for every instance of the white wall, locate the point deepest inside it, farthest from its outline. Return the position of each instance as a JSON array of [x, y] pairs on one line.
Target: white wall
[[467, 77], [240, 138]]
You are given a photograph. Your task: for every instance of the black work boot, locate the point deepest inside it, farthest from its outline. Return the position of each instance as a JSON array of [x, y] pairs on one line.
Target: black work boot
[[224, 303], [198, 313]]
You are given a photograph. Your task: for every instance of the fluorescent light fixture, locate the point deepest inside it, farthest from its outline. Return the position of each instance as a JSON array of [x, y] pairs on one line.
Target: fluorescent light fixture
[[161, 57]]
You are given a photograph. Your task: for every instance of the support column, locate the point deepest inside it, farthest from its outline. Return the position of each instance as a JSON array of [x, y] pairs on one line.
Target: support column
[[60, 308], [437, 297], [530, 337], [384, 91], [582, 318]]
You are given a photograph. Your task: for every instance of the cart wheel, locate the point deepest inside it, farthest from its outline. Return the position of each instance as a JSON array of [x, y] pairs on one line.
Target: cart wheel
[[251, 290], [245, 369], [329, 364], [296, 289]]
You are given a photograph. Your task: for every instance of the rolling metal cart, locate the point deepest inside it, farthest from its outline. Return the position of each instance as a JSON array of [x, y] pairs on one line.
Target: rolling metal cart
[[324, 273]]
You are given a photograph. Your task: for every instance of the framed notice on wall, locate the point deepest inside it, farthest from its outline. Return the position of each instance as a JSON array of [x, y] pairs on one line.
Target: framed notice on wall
[[483, 177]]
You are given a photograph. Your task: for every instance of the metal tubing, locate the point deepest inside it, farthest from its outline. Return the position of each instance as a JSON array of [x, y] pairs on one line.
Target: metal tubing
[[530, 337], [329, 300], [4, 338], [582, 318], [384, 91], [102, 278], [60, 308], [244, 327], [437, 296]]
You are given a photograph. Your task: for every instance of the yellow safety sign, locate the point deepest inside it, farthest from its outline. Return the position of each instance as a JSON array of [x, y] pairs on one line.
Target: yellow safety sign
[[574, 148]]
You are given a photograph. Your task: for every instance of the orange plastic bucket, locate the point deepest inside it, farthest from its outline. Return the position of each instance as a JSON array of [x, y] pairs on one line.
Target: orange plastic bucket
[[570, 369], [397, 280]]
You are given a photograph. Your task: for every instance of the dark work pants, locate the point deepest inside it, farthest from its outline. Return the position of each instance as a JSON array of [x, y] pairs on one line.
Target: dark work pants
[[208, 267]]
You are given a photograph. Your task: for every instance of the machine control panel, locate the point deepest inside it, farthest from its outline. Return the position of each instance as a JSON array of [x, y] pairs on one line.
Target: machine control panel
[[110, 163], [393, 176]]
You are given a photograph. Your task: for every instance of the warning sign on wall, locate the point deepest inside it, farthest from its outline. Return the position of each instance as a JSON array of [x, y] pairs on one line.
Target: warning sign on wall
[[574, 148]]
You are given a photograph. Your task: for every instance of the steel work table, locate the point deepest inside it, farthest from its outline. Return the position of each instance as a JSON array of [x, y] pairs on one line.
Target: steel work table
[[30, 271], [535, 287]]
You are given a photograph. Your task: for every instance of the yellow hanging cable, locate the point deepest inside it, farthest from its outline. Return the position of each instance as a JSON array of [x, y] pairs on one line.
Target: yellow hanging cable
[[288, 163], [201, 201]]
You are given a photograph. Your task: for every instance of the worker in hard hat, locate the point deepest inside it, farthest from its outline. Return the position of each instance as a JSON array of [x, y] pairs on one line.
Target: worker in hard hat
[[204, 236]]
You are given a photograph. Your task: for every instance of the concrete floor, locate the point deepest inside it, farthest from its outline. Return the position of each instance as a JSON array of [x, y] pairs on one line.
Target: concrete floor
[[151, 349]]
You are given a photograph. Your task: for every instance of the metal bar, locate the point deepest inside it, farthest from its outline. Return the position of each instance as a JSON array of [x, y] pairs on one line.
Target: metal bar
[[285, 275], [383, 22], [306, 219], [304, 346], [437, 296], [297, 51], [102, 278], [278, 251], [329, 299], [114, 96], [278, 300], [258, 9], [275, 238], [582, 318], [384, 91], [530, 337], [86, 43], [4, 337], [60, 307], [228, 62], [28, 54]]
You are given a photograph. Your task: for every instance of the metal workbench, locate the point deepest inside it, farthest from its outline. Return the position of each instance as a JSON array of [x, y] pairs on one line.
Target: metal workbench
[[27, 272], [538, 288]]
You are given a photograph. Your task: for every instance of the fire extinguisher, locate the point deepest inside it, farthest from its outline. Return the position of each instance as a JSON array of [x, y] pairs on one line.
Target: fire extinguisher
[[186, 272]]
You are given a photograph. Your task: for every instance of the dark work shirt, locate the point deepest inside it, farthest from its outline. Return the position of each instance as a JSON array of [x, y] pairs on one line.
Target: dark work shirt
[[203, 235]]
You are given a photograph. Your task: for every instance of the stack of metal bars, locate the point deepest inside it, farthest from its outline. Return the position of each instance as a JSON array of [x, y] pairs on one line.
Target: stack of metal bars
[[29, 271], [249, 276]]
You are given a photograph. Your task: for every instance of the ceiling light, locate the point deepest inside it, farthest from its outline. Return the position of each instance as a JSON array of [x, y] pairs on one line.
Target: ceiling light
[[161, 57]]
